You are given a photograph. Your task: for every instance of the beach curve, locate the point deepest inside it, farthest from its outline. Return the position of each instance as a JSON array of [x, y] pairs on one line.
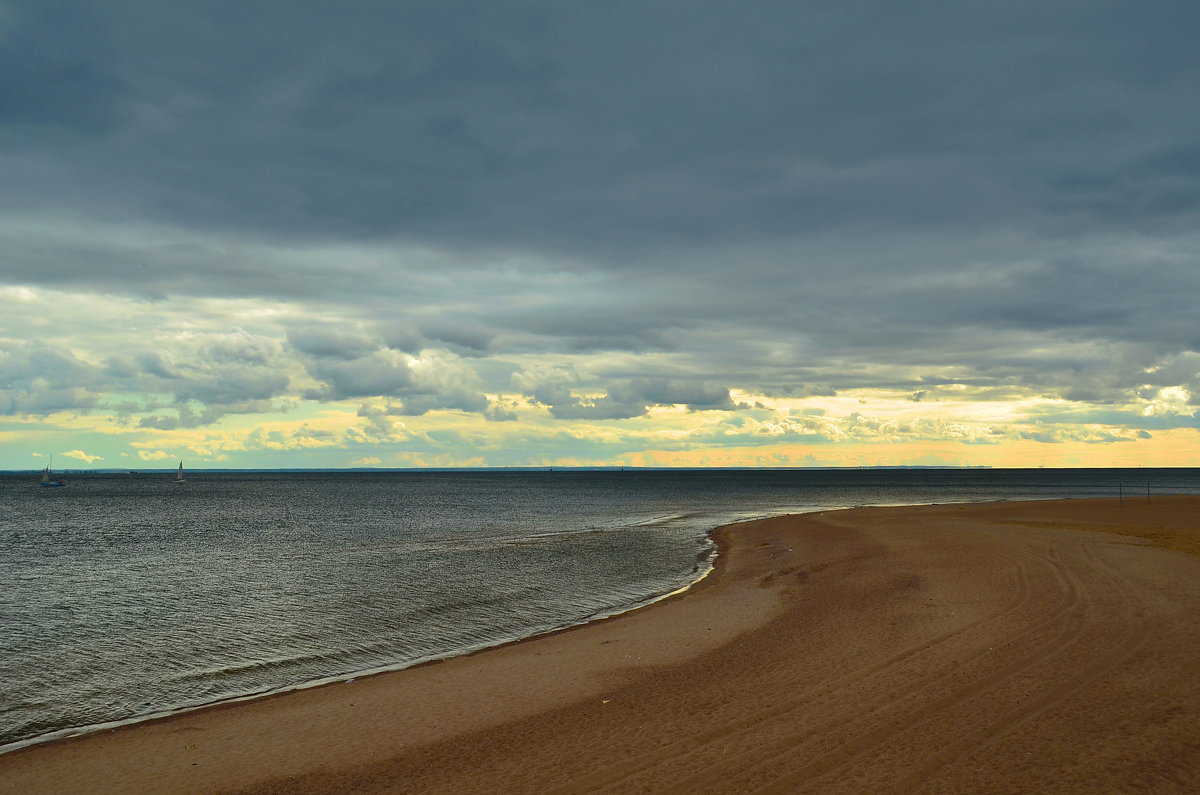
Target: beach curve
[[1022, 646]]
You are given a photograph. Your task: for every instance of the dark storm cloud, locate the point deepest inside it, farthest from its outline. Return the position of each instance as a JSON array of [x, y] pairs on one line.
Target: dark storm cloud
[[609, 125], [376, 374], [662, 391], [349, 365], [798, 197], [464, 337], [330, 343]]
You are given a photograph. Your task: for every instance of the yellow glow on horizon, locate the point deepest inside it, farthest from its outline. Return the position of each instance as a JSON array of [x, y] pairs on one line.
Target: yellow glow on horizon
[[892, 403], [1174, 448], [853, 429]]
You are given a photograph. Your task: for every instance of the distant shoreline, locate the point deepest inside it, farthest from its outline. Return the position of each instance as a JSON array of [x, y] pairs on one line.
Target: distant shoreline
[[547, 468], [611, 468]]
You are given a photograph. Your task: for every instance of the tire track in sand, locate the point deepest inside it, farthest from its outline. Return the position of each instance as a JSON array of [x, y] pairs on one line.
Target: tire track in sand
[[753, 740], [981, 703], [793, 762], [1137, 633]]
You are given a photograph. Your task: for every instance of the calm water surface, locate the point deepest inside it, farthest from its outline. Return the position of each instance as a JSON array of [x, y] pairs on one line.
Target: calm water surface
[[123, 596]]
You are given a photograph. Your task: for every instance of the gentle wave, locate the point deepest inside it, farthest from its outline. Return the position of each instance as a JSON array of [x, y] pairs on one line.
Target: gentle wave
[[130, 597], [477, 642]]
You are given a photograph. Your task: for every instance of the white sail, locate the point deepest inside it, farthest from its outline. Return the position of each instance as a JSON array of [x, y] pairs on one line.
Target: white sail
[[46, 481], [179, 474]]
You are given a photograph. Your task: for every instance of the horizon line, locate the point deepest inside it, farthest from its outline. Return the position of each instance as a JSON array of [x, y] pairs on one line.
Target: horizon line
[[579, 468]]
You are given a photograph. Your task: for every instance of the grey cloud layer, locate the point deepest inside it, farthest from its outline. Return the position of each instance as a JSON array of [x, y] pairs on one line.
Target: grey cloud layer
[[790, 197], [603, 126]]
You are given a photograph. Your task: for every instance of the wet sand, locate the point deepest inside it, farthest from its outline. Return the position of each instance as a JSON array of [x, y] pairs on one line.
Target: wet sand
[[1002, 647]]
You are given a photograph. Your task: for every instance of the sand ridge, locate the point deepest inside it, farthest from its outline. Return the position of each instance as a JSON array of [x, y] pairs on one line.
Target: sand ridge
[[950, 648]]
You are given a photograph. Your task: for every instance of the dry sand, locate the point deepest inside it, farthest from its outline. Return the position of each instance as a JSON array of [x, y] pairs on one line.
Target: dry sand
[[953, 648]]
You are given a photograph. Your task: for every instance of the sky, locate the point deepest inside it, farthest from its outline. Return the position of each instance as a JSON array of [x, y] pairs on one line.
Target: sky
[[599, 232]]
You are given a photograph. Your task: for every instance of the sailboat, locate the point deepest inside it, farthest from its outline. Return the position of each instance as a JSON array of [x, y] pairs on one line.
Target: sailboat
[[46, 481], [179, 474]]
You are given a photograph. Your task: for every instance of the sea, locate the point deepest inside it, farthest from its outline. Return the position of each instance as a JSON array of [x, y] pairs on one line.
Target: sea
[[126, 596]]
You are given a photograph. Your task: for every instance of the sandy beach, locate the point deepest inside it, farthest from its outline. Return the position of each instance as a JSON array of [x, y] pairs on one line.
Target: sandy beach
[[1000, 647]]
